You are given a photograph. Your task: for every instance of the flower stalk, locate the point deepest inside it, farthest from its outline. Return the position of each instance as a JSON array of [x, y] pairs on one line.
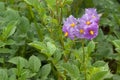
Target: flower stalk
[[82, 28], [84, 60]]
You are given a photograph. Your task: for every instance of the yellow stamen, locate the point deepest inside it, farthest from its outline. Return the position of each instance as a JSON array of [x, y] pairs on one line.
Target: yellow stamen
[[88, 22], [66, 34], [81, 31], [91, 32], [72, 25]]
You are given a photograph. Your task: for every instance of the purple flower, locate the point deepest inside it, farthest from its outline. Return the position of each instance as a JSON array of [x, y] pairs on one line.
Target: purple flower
[[70, 22], [68, 32], [88, 24], [90, 11], [69, 26], [87, 20], [80, 31], [91, 32], [93, 13], [85, 27], [87, 32]]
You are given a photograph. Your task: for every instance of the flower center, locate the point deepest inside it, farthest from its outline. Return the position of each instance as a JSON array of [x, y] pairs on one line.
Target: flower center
[[88, 22], [72, 25], [93, 16], [91, 32], [66, 34], [81, 31]]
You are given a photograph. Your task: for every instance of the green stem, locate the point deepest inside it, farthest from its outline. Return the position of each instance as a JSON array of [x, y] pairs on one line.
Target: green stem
[[61, 15], [59, 18], [39, 32], [84, 60], [57, 10]]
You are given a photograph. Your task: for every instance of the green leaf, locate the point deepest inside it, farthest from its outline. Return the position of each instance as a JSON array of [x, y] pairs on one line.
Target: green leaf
[[68, 2], [99, 71], [11, 16], [1, 60], [3, 74], [12, 73], [12, 77], [2, 44], [10, 42], [51, 4], [45, 71], [72, 70], [9, 30], [6, 50], [32, 2], [25, 74], [24, 25], [40, 46], [34, 63], [90, 47], [104, 50], [46, 48], [99, 63], [116, 77], [29, 2], [39, 5], [116, 43], [19, 61], [101, 36], [117, 49], [51, 48], [2, 6], [99, 75], [57, 56]]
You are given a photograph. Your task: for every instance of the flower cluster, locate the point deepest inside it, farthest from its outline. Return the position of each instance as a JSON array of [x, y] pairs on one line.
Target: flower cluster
[[85, 27]]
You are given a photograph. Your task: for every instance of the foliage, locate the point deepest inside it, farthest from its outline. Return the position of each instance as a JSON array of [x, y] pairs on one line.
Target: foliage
[[33, 46]]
